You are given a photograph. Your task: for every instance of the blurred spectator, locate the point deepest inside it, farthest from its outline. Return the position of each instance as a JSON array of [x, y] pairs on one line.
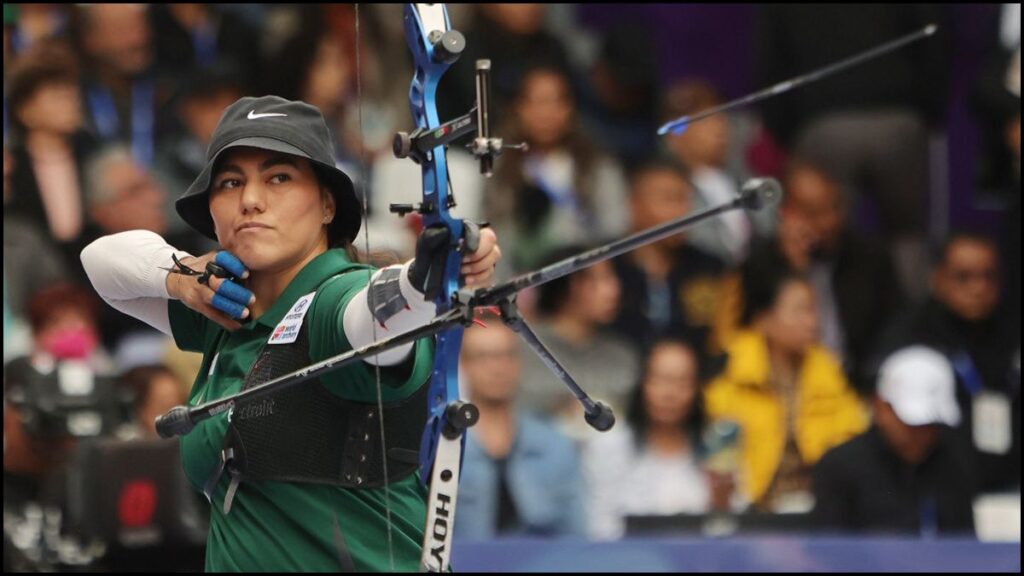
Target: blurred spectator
[[124, 99], [63, 322], [962, 320], [398, 181], [122, 195], [869, 125], [63, 318], [188, 37], [671, 285], [317, 65], [704, 148], [34, 23], [574, 313], [620, 108], [30, 264], [520, 476], [198, 107], [155, 389], [48, 144], [996, 103], [786, 392], [562, 191], [854, 281], [906, 473], [513, 38], [652, 463]]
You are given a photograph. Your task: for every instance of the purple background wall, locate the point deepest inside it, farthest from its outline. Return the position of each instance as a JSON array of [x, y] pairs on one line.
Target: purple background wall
[[716, 42]]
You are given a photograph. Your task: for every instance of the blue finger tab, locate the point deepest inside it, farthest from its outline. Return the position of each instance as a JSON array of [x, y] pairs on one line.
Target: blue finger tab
[[229, 307], [230, 262], [234, 292]]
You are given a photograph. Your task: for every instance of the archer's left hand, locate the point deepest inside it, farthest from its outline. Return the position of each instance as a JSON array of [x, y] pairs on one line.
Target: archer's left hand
[[478, 267], [431, 253]]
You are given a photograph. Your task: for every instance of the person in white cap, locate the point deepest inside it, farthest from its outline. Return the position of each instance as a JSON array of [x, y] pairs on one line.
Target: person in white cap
[[907, 473]]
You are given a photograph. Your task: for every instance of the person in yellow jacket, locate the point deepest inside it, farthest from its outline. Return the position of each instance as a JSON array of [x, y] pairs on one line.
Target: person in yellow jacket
[[787, 393]]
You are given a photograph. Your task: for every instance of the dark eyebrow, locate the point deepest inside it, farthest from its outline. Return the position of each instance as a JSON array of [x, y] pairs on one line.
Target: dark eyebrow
[[278, 159], [227, 168], [275, 160]]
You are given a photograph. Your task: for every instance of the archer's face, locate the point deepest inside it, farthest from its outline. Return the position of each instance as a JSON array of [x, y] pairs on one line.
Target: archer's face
[[268, 208]]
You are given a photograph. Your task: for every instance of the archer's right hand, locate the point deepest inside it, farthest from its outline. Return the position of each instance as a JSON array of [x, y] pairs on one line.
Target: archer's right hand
[[222, 300]]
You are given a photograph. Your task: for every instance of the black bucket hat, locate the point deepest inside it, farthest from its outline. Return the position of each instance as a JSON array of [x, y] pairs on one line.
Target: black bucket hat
[[273, 123]]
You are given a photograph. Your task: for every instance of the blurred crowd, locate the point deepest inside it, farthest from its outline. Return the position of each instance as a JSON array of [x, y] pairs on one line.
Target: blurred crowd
[[854, 371]]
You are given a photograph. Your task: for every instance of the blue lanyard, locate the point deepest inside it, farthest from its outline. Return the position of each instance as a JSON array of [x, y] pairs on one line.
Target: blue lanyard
[[204, 44], [659, 303], [561, 197], [104, 114], [928, 514], [968, 374]]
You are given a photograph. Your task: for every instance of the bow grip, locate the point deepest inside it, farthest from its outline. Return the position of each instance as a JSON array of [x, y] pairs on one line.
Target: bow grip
[[470, 236]]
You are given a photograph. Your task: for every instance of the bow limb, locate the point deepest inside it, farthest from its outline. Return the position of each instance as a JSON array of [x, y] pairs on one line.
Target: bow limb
[[434, 47]]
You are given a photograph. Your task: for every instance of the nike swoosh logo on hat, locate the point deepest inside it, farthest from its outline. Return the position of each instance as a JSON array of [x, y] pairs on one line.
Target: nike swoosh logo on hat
[[253, 115]]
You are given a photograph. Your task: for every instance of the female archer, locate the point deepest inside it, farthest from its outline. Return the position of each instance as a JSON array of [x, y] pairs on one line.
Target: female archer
[[297, 481]]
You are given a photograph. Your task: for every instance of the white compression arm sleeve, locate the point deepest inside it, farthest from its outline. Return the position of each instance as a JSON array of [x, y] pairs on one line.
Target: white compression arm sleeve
[[359, 320], [125, 270]]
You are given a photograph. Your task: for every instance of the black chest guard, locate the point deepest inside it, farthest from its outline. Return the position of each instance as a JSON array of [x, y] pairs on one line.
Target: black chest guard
[[307, 434]]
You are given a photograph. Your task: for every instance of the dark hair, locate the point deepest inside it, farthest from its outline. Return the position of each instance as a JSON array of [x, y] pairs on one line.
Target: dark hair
[[138, 381], [797, 163], [293, 61], [763, 281], [552, 295], [637, 415], [47, 63], [658, 163], [941, 251], [46, 303], [510, 171], [687, 97]]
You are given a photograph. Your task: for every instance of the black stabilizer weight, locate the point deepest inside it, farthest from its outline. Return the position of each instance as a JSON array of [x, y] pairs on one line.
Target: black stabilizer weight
[[449, 47], [460, 415], [177, 422], [601, 419]]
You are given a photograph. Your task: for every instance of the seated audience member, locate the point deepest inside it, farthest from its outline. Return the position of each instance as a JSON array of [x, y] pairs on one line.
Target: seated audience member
[[189, 36], [564, 190], [703, 148], [962, 319], [48, 143], [854, 281], [123, 195], [514, 38], [155, 389], [673, 285], [28, 24], [520, 475], [652, 462], [63, 322], [619, 106], [31, 263], [869, 127], [786, 392], [198, 105], [125, 99], [907, 473], [574, 314]]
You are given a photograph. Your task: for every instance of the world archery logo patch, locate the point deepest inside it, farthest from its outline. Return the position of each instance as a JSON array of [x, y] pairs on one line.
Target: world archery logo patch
[[287, 331]]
